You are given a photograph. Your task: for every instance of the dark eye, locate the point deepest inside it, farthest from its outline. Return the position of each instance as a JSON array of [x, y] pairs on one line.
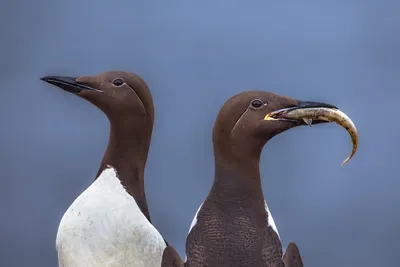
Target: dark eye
[[118, 82], [256, 103]]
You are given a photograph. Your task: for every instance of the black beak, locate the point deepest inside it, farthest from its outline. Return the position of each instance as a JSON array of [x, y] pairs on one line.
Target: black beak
[[68, 84], [281, 114], [308, 104]]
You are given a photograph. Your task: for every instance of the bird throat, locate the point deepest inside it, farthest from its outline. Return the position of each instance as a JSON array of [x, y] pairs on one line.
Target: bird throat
[[127, 152], [238, 178]]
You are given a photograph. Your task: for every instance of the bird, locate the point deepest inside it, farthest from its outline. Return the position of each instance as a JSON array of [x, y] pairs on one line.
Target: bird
[[233, 225], [109, 223]]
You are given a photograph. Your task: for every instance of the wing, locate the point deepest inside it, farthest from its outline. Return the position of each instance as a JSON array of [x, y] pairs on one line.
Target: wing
[[171, 258], [292, 256], [194, 242], [272, 249]]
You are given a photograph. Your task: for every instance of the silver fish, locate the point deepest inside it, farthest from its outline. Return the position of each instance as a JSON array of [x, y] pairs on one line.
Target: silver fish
[[325, 114]]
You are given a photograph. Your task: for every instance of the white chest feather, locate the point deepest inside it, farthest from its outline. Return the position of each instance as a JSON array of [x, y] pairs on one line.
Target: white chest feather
[[271, 221], [105, 227], [194, 222]]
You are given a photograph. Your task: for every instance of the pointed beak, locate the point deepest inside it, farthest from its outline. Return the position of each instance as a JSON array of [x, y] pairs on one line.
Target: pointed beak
[[68, 84], [309, 104], [283, 114], [313, 113]]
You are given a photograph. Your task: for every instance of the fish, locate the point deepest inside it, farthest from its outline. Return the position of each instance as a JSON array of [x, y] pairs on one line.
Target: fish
[[323, 114]]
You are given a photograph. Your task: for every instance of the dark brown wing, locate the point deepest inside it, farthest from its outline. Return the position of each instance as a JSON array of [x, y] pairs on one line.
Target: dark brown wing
[[272, 249], [292, 256], [171, 258], [197, 248]]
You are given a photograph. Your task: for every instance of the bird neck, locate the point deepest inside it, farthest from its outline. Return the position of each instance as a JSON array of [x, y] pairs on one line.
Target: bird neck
[[238, 174], [127, 152]]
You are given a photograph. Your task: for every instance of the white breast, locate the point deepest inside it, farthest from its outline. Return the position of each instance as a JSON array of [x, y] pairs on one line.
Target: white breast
[[271, 221], [194, 222], [105, 227]]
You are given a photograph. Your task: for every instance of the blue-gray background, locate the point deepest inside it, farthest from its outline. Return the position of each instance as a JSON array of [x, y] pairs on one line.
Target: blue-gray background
[[194, 56]]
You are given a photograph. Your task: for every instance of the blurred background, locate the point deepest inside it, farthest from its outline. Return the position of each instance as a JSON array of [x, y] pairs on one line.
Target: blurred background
[[194, 56]]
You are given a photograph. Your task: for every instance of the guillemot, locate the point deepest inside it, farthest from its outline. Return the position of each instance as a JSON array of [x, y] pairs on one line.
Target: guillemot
[[234, 227], [109, 223]]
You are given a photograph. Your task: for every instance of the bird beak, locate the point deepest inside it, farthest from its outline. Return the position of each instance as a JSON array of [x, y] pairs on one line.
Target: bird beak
[[68, 84], [295, 113], [313, 112]]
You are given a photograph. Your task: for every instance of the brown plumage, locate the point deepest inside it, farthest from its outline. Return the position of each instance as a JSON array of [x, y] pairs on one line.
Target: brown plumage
[[126, 100], [232, 228], [292, 256], [171, 258]]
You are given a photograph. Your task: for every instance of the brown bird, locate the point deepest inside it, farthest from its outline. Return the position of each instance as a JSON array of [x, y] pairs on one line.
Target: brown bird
[[109, 223], [233, 227]]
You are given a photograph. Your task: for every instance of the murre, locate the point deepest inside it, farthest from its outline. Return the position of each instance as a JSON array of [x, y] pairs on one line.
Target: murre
[[233, 227], [109, 223]]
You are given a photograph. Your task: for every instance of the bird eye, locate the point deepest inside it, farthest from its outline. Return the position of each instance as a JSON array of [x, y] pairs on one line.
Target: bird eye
[[257, 103], [118, 82]]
